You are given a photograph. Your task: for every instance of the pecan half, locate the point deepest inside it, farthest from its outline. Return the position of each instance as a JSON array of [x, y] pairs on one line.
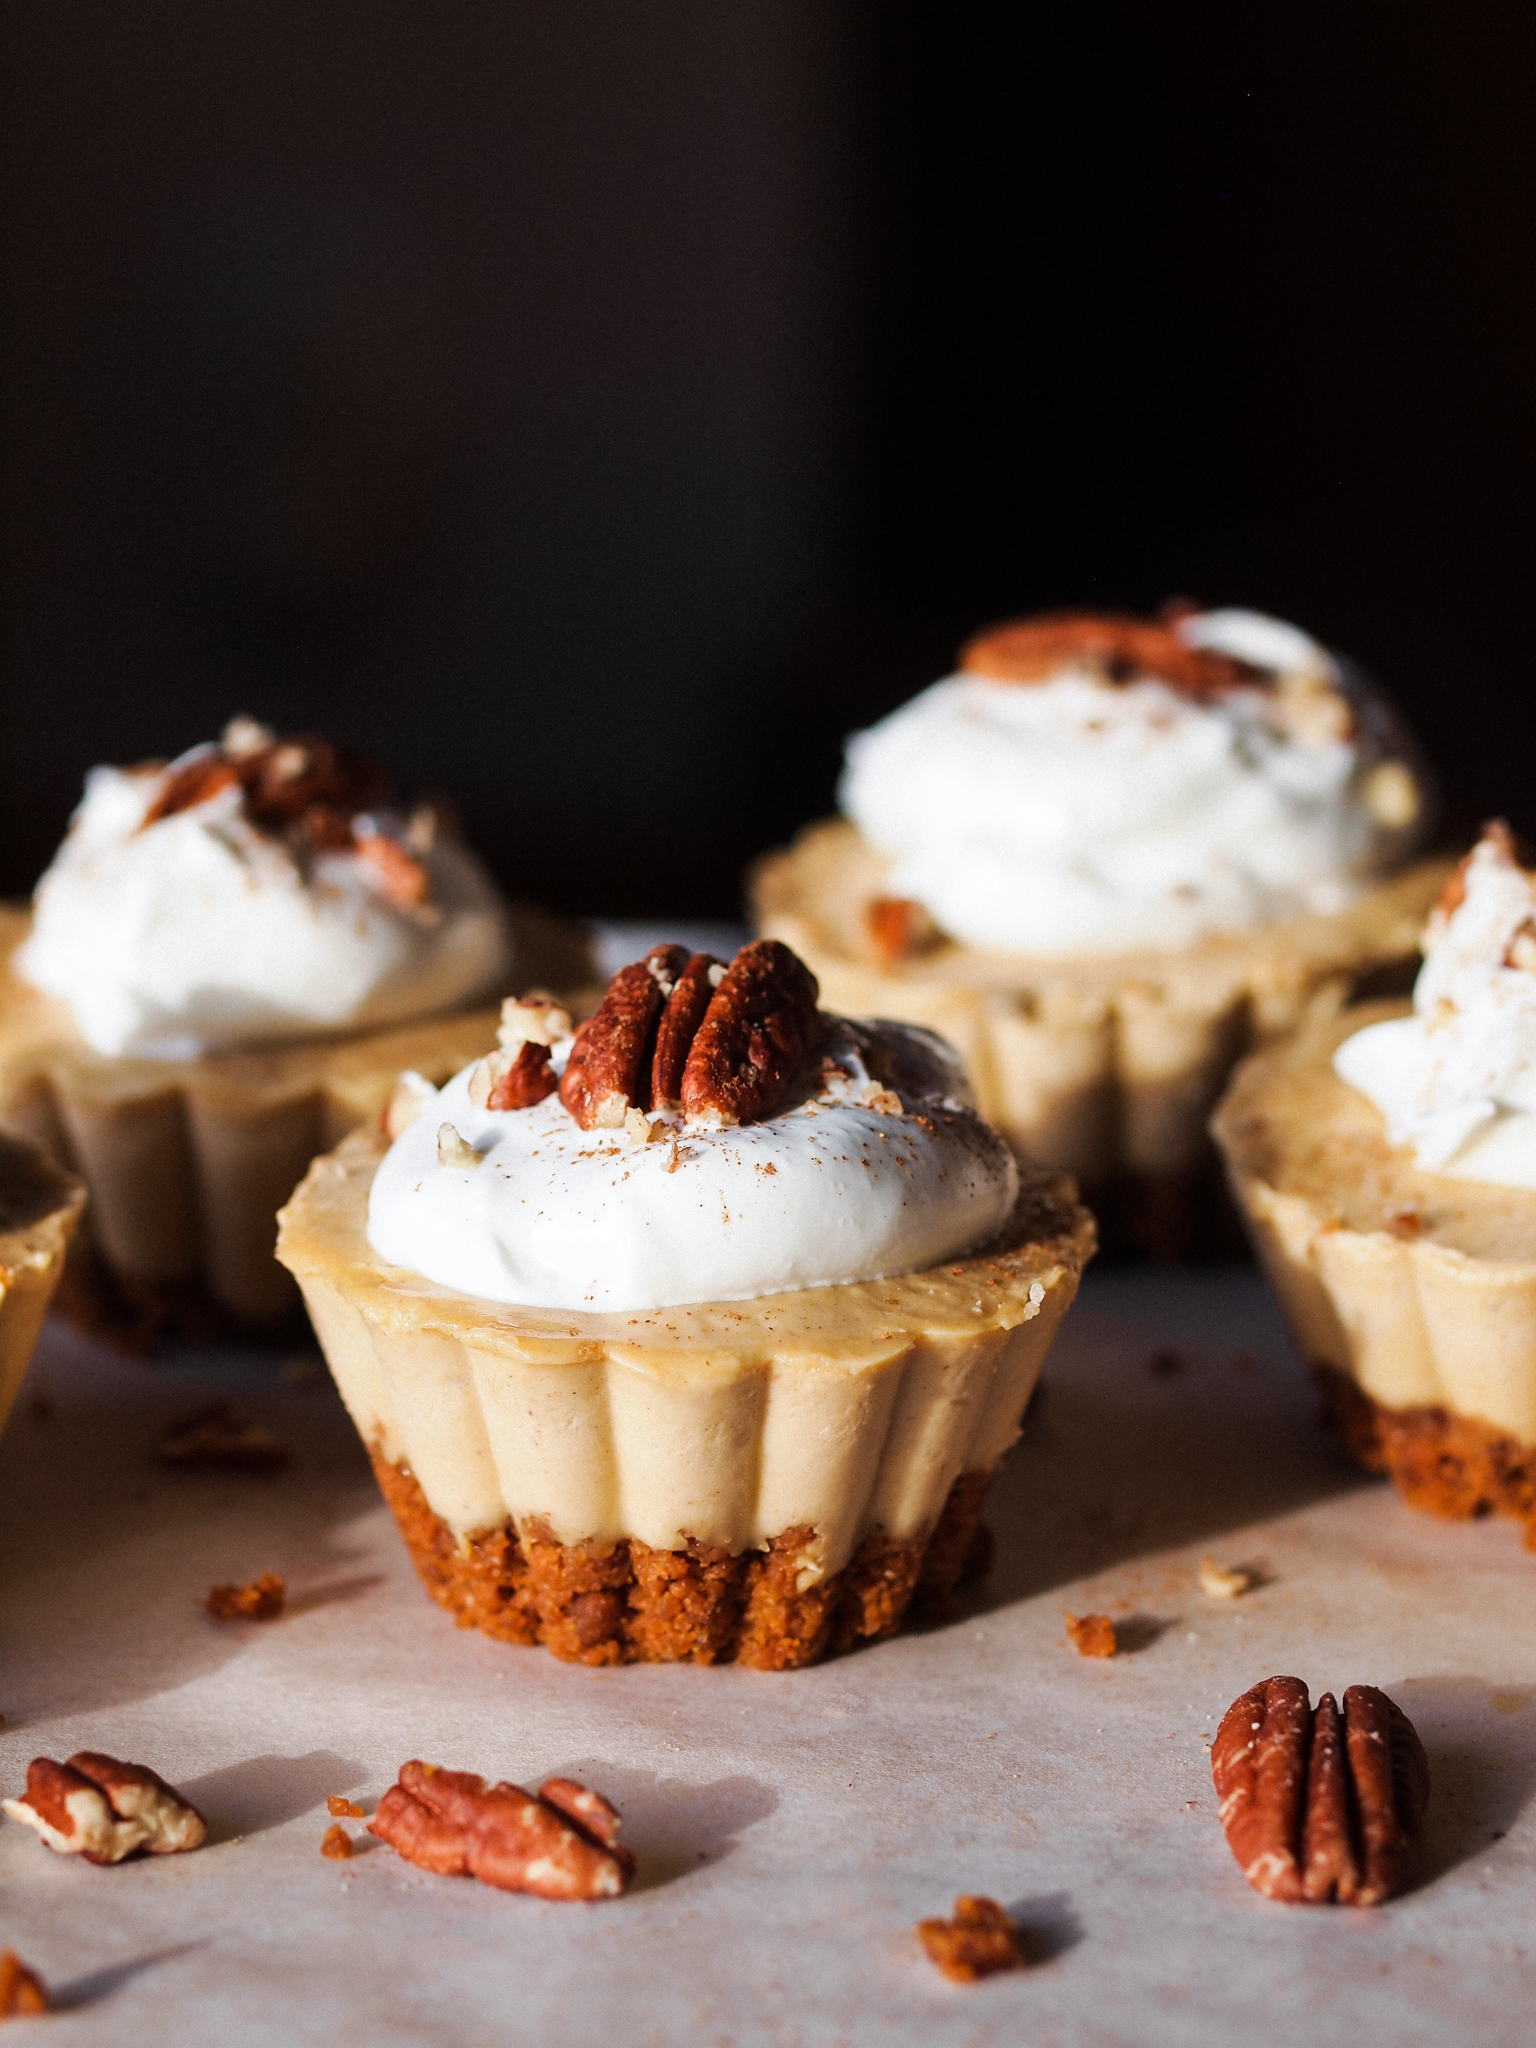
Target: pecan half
[[678, 1026], [1121, 647], [562, 1845], [104, 1810], [609, 1069], [22, 1991], [1320, 1805], [978, 1941], [760, 1023]]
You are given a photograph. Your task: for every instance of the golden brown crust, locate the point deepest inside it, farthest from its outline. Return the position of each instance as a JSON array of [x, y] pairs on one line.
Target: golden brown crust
[[627, 1603], [1442, 1464]]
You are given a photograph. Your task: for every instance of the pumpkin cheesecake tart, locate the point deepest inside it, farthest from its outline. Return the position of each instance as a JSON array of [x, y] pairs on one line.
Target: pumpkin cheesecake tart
[[1386, 1163], [696, 1334]]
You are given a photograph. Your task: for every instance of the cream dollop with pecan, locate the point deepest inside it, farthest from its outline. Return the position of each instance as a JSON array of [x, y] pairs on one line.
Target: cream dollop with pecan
[[252, 892], [1457, 1079], [708, 1135], [1092, 783]]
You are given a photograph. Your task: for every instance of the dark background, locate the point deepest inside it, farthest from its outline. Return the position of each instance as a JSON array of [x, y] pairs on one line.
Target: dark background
[[598, 408]]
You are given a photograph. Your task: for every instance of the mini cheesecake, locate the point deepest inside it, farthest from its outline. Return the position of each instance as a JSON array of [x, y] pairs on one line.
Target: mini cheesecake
[[39, 1208], [761, 1479], [1412, 1293]]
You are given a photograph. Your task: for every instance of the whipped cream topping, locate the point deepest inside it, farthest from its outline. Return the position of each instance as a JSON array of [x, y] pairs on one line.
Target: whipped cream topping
[[855, 1178], [1457, 1079], [201, 929], [1098, 807]]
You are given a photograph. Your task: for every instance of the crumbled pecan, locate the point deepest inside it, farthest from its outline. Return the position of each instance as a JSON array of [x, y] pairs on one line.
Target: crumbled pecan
[[562, 1845], [104, 1810], [978, 1941], [300, 783], [261, 1600], [609, 1069], [760, 1023], [1120, 647], [678, 1026], [218, 1439], [193, 784], [533, 1019], [1091, 1635], [397, 875], [1319, 1805], [404, 1103], [898, 928], [453, 1150], [513, 1080], [1223, 1582], [342, 1809], [336, 1842], [22, 1992]]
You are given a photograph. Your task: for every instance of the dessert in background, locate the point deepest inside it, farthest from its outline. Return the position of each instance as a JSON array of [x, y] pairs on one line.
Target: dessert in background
[[696, 1334], [228, 962], [1386, 1164], [39, 1208], [1107, 857]]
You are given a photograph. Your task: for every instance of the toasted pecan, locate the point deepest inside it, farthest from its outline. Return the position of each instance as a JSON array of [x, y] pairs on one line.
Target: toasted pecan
[[609, 1069], [105, 1810], [978, 1941], [1320, 1805], [561, 1845], [678, 1026], [1121, 647], [759, 1025]]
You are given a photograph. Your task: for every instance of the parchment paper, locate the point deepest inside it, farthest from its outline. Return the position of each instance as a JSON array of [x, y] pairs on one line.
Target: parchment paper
[[790, 1829]]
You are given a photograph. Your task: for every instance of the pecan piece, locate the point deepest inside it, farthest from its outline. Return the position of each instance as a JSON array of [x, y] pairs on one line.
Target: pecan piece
[[1119, 646], [609, 1069], [194, 784], [692, 993], [898, 928], [1320, 1805], [261, 1600], [759, 1025], [562, 1845], [513, 1080], [22, 1992], [336, 1843], [979, 1940], [104, 1810], [397, 875]]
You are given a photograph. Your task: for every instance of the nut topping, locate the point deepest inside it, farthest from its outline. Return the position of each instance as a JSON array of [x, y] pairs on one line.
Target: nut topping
[[262, 1599], [101, 1809], [513, 1080], [407, 1099], [1091, 1635], [898, 928], [609, 1070], [452, 1150], [561, 1845], [759, 1025], [691, 996], [1122, 648], [1320, 1805]]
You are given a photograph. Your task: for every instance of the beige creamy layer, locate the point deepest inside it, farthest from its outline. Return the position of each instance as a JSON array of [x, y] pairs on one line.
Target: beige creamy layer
[[39, 1208], [1419, 1285], [1095, 1066], [839, 1409]]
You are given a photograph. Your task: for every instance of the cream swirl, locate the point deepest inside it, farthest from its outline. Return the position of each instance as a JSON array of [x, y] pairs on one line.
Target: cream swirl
[[190, 911], [1108, 804], [854, 1178], [1457, 1079]]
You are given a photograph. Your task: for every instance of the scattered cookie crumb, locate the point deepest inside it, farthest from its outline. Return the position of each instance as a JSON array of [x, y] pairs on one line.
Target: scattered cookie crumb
[[342, 1809], [337, 1843], [1223, 1582], [979, 1940], [1091, 1635], [216, 1439], [22, 1991], [261, 1600]]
